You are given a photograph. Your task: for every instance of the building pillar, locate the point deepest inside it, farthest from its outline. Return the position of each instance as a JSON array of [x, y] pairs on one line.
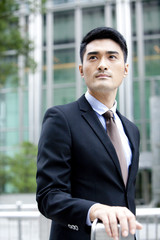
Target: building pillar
[[49, 57], [78, 37], [155, 143], [141, 72], [21, 75], [145, 186], [123, 14], [108, 14], [35, 78]]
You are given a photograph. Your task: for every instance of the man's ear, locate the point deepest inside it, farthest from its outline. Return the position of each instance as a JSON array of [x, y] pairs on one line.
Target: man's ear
[[126, 69], [81, 70]]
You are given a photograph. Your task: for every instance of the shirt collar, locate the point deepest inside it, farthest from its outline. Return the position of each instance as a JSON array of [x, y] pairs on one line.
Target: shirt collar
[[99, 107]]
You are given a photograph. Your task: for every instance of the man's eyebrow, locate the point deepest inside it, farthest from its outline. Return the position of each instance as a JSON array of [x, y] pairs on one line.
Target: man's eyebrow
[[112, 52], [92, 53], [107, 52]]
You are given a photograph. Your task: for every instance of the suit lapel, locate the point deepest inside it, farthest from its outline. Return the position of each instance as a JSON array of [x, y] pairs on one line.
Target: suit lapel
[[90, 116]]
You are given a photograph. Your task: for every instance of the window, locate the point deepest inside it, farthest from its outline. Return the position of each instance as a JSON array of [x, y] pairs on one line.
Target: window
[[62, 1], [44, 30], [63, 27], [152, 57], [64, 95], [151, 17], [64, 66], [92, 18]]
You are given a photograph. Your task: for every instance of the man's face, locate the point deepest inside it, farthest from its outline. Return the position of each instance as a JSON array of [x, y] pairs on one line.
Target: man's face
[[103, 66]]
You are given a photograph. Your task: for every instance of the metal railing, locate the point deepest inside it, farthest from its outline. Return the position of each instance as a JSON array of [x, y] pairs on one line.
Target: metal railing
[[150, 219], [24, 222]]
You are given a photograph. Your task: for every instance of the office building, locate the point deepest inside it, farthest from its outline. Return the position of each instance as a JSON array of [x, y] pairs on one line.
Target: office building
[[57, 35]]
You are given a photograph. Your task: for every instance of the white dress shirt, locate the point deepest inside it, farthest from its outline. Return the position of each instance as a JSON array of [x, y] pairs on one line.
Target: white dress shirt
[[100, 109]]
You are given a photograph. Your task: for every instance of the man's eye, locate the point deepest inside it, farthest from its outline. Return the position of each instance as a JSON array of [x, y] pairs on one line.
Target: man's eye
[[112, 57], [92, 58]]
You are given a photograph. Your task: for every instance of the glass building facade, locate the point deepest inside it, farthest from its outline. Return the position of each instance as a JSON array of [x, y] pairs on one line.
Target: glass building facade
[[57, 34]]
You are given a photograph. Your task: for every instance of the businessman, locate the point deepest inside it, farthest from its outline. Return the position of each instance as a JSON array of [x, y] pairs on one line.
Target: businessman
[[88, 152]]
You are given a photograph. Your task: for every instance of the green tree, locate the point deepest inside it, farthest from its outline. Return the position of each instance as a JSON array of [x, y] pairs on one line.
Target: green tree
[[22, 169], [4, 161], [12, 43]]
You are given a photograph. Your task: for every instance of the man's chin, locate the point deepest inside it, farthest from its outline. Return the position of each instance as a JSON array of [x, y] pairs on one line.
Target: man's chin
[[104, 89]]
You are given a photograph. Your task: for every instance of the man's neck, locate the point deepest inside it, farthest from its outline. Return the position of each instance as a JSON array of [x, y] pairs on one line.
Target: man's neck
[[107, 99]]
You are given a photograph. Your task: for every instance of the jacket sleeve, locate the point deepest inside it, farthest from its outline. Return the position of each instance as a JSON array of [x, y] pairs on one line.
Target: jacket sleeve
[[54, 168]]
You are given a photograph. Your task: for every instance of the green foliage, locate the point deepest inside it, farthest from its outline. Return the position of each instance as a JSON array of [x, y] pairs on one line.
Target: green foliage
[[4, 161], [12, 43], [23, 169], [18, 173]]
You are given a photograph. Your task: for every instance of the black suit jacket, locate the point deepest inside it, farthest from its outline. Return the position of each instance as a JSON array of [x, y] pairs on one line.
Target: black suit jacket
[[78, 166]]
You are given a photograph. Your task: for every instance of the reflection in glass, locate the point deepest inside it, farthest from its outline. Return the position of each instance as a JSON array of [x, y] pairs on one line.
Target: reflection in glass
[[92, 18], [152, 57], [151, 17], [64, 66], [63, 27], [64, 95]]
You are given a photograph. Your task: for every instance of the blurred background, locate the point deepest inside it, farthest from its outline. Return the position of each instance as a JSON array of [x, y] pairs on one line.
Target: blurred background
[[39, 58]]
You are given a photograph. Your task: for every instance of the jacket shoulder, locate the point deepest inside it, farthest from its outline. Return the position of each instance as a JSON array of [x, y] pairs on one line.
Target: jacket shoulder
[[70, 108]]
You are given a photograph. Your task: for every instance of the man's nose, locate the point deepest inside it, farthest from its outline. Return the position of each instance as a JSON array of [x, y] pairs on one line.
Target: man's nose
[[103, 65]]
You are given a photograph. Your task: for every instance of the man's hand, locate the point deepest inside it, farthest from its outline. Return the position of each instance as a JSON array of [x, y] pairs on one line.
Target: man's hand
[[111, 216]]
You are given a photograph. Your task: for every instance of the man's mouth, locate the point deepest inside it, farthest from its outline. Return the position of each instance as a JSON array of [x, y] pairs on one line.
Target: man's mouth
[[102, 75]]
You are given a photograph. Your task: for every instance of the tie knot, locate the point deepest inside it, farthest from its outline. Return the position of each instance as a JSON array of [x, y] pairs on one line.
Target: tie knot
[[108, 115]]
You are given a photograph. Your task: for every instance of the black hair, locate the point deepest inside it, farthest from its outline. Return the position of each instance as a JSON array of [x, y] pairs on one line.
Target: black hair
[[103, 33]]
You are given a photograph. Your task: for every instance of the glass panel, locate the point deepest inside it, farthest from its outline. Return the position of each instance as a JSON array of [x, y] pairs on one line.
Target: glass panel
[[117, 99], [63, 27], [44, 77], [135, 60], [84, 87], [2, 139], [155, 86], [114, 17], [143, 187], [44, 103], [2, 111], [136, 101], [64, 95], [92, 18], [25, 78], [151, 17], [64, 66], [133, 18], [56, 2], [44, 30], [25, 109], [12, 118], [44, 58], [9, 118], [148, 136], [147, 98], [152, 57], [26, 135], [8, 73], [139, 125], [12, 138], [147, 111], [63, 1]]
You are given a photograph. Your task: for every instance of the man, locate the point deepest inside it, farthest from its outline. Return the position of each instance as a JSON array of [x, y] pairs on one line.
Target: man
[[79, 177]]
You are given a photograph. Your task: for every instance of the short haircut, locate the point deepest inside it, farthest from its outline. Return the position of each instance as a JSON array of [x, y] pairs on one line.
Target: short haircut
[[104, 33]]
